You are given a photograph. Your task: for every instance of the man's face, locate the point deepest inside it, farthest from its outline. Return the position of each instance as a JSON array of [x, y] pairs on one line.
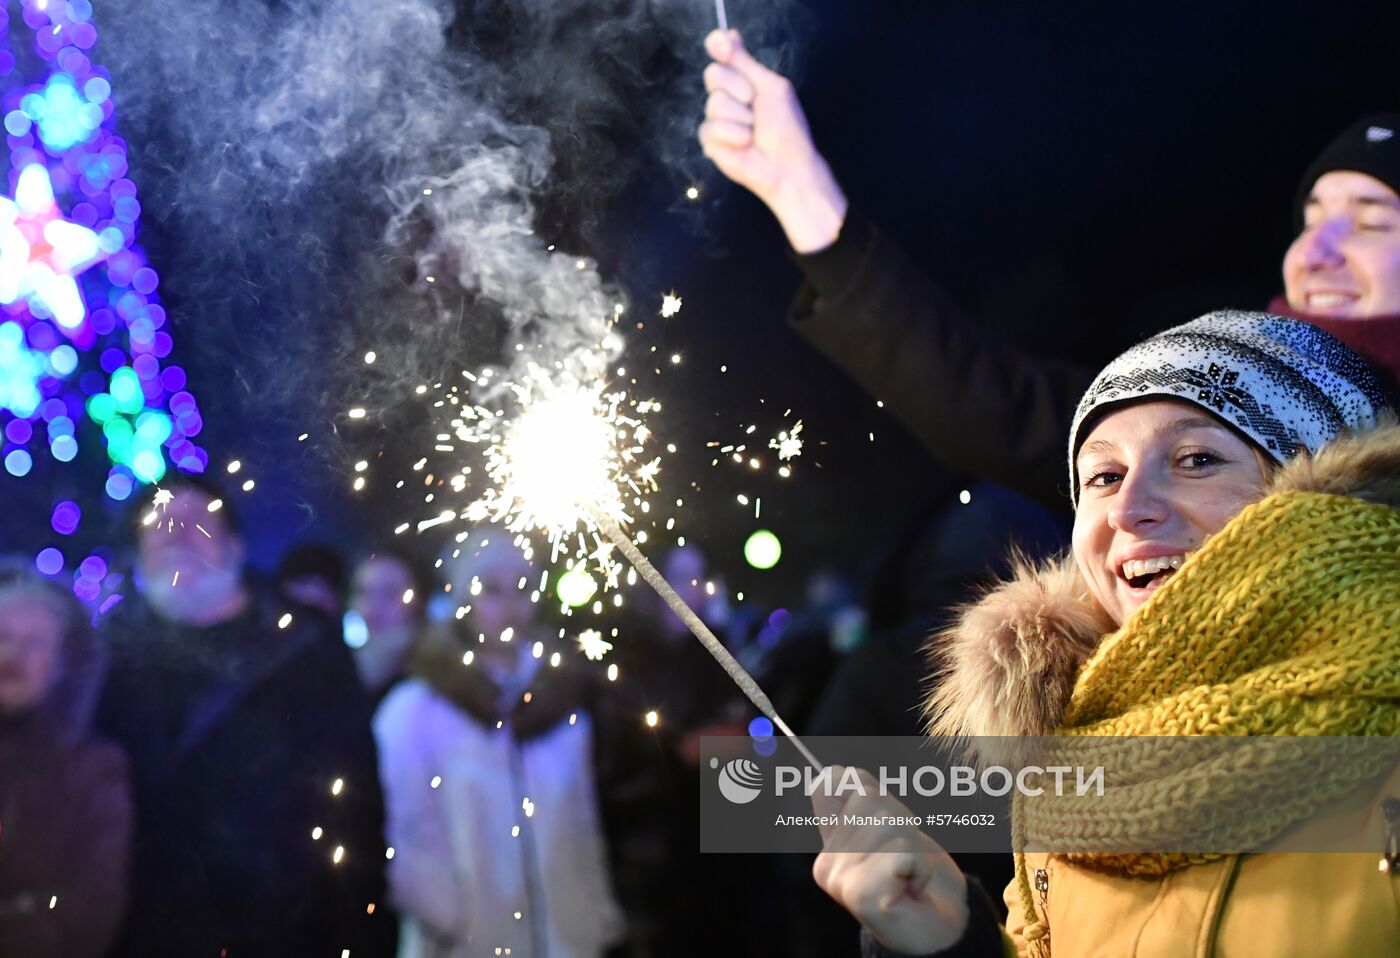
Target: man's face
[[383, 595], [1346, 261], [190, 561]]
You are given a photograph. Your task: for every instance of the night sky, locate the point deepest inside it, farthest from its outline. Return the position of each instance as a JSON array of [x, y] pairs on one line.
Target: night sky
[[1076, 175]]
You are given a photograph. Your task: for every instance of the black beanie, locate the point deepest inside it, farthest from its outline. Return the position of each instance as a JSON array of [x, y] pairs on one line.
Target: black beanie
[[1371, 145]]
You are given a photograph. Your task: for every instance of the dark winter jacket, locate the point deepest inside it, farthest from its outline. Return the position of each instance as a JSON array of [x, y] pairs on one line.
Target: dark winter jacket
[[259, 811], [980, 405], [65, 821]]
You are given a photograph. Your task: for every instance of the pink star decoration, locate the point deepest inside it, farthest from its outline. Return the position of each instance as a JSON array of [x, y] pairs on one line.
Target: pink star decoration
[[41, 252]]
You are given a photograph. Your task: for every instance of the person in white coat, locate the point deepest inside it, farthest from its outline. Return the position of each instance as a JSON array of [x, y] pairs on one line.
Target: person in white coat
[[486, 756]]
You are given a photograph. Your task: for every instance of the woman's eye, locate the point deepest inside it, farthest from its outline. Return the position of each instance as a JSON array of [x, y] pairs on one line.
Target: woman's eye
[[1376, 227], [1103, 479], [1200, 460]]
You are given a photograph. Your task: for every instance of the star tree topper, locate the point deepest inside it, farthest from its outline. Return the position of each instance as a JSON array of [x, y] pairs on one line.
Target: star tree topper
[[41, 252]]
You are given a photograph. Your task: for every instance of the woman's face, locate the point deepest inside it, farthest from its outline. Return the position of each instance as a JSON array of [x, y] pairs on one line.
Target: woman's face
[[1155, 480], [31, 650]]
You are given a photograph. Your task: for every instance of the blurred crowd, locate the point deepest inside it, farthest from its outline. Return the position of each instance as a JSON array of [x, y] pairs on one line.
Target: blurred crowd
[[372, 745]]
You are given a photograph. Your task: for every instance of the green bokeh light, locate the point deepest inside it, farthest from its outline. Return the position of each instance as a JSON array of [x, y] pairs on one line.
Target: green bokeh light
[[125, 390], [763, 550], [575, 588]]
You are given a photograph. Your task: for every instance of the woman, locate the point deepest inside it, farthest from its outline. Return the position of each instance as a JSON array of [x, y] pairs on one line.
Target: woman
[[1234, 572], [65, 803], [486, 758]]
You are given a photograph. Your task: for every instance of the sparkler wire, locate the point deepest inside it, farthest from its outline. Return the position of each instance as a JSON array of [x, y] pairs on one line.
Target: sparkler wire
[[657, 581], [720, 16]]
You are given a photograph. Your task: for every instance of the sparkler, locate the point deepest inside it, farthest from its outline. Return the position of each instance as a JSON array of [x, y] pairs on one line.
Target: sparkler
[[565, 459], [720, 16], [731, 665]]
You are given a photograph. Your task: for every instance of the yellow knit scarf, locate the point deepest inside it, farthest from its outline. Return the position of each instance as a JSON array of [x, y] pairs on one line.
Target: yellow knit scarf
[[1286, 623]]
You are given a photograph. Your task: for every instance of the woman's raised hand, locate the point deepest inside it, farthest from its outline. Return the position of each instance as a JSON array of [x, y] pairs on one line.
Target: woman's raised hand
[[899, 883], [757, 135]]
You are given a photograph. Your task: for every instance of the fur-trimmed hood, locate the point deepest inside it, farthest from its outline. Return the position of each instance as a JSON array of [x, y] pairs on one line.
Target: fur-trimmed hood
[[1008, 664]]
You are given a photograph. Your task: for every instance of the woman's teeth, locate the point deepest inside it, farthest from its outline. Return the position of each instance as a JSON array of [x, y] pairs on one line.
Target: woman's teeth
[[1137, 568]]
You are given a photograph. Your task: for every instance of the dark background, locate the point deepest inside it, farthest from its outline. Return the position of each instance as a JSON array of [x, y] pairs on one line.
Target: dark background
[[1076, 176]]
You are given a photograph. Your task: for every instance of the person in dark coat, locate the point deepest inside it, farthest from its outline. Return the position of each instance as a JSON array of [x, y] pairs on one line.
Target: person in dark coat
[[65, 800], [876, 314], [259, 811]]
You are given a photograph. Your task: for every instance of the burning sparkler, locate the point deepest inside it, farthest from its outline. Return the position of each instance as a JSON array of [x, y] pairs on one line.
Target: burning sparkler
[[563, 462]]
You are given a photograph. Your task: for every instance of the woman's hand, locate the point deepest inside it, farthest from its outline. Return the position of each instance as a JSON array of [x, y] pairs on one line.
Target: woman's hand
[[897, 882], [757, 135]]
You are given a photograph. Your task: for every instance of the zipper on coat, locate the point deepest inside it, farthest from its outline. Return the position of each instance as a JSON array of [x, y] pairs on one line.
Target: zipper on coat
[[1390, 859], [1041, 883]]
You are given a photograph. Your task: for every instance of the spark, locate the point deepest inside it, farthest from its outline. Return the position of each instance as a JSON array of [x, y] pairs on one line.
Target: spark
[[446, 516], [234, 466], [692, 193], [670, 304], [572, 447], [215, 505], [788, 442], [162, 499], [357, 413], [593, 644]]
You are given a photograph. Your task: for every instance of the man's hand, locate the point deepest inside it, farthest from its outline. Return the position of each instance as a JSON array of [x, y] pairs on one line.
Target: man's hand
[[895, 880], [757, 135]]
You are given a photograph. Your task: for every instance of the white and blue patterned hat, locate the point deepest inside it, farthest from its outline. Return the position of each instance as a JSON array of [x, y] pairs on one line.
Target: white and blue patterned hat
[[1286, 385]]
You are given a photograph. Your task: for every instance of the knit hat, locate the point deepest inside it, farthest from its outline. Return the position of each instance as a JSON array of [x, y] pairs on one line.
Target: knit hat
[[1371, 145], [1286, 385]]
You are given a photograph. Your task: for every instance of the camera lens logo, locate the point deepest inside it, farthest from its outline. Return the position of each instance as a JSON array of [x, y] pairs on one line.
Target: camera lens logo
[[740, 780]]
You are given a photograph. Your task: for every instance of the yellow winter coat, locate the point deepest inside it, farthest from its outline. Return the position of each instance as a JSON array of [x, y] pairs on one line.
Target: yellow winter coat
[[1226, 648]]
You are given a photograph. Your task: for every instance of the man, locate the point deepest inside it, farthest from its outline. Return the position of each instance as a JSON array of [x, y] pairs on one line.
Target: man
[[259, 813], [873, 311]]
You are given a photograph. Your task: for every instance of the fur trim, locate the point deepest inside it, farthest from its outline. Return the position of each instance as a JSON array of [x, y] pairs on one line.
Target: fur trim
[[1366, 466], [1008, 664]]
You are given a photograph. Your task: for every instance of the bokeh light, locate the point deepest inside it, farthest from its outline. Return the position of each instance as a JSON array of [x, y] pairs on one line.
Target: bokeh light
[[66, 517], [49, 561], [763, 549], [575, 588]]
